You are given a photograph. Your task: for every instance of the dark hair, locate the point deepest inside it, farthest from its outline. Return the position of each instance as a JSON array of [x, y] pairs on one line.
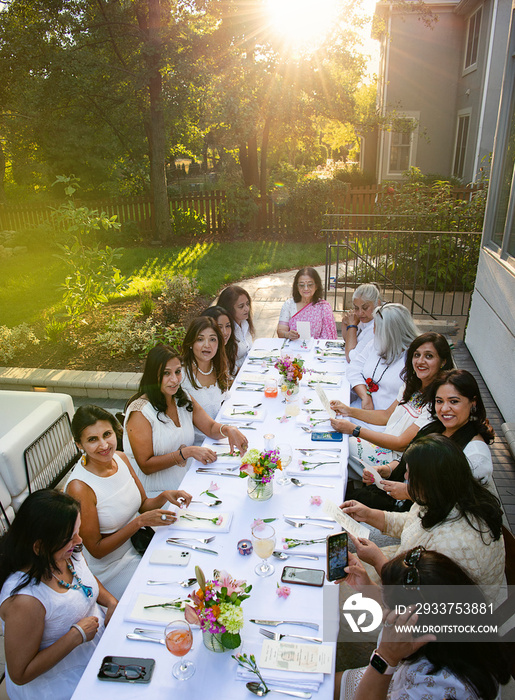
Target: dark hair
[[465, 383], [45, 517], [228, 299], [483, 665], [89, 415], [310, 272], [198, 325], [440, 479], [150, 384], [408, 374], [231, 346]]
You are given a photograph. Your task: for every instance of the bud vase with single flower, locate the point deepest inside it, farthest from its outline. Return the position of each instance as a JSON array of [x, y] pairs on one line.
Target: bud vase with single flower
[[259, 490]]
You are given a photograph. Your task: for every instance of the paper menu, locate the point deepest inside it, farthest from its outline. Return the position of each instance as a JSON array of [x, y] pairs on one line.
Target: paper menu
[[377, 476], [353, 528], [325, 401], [304, 330], [290, 656]]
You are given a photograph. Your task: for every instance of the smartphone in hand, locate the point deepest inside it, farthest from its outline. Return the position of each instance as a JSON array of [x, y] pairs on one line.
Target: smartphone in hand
[[337, 556]]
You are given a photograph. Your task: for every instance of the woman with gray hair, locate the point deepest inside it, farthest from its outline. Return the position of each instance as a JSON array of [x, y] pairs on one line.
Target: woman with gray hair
[[374, 374], [358, 324]]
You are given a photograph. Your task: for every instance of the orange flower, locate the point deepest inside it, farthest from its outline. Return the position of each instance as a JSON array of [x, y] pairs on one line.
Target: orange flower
[[216, 611]]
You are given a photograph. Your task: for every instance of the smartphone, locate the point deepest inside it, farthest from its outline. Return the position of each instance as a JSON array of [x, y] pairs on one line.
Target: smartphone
[[337, 556], [126, 669], [304, 577], [329, 436]]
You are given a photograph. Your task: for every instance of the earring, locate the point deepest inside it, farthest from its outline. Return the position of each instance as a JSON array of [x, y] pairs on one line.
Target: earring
[[83, 459], [473, 411]]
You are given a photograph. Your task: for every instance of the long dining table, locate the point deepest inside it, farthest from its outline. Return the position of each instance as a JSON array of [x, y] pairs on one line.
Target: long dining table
[[217, 673]]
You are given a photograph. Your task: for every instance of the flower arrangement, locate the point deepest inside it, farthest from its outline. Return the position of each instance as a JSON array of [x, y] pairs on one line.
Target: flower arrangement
[[292, 370], [217, 606], [260, 465]]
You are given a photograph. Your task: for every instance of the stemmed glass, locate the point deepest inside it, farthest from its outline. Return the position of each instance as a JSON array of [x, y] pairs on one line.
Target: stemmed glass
[[178, 638], [263, 539], [286, 455]]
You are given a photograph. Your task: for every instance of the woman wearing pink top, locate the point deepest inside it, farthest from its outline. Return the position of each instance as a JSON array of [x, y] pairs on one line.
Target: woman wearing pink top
[[307, 305]]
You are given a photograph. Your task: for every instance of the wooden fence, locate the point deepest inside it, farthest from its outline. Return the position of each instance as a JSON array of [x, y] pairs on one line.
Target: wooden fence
[[210, 205]]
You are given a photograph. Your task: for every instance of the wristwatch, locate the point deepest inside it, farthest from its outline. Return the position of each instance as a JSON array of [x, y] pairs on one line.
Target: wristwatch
[[381, 665], [356, 431]]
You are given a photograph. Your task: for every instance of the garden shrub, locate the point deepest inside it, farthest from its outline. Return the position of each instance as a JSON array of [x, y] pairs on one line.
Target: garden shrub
[[12, 340], [130, 335], [177, 295], [188, 223], [309, 201]]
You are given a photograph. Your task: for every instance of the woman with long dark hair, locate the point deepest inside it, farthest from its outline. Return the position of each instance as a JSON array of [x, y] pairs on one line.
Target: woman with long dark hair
[[307, 304], [159, 425], [236, 301], [114, 504], [204, 364], [49, 600], [452, 513], [226, 327]]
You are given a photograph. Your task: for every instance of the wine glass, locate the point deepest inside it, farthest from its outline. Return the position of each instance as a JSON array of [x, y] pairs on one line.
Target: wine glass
[[286, 455], [178, 638], [263, 539]]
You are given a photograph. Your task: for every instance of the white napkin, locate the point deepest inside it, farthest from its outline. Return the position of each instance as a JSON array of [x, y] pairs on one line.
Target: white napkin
[[238, 413], [281, 679], [223, 456], [299, 345], [204, 525], [330, 380], [298, 469], [136, 611]]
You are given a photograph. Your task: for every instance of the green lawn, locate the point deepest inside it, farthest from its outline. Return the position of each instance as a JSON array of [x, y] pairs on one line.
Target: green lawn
[[29, 283]]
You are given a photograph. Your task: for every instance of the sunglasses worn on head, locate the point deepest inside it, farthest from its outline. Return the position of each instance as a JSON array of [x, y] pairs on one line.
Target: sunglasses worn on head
[[412, 575], [131, 673], [380, 308]]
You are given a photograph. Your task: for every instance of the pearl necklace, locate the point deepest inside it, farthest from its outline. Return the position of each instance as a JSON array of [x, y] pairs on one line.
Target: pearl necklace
[[206, 374]]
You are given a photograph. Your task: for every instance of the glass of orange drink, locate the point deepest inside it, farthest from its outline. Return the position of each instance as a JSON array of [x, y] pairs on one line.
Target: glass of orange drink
[[178, 638]]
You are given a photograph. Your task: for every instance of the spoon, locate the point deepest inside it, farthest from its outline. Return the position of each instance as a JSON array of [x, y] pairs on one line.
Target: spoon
[[187, 583], [214, 503], [300, 484], [261, 690], [283, 557]]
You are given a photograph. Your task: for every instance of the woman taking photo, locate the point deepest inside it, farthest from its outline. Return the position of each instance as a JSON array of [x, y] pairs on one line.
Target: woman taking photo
[[236, 301], [374, 374], [114, 505], [358, 324], [427, 355], [459, 414], [159, 425], [206, 378], [49, 601], [307, 305], [226, 327], [452, 514]]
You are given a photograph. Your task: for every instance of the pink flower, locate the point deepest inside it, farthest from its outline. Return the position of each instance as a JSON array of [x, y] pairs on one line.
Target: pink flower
[[258, 524], [285, 546], [247, 469], [315, 501], [283, 419], [213, 486], [283, 591], [220, 520]]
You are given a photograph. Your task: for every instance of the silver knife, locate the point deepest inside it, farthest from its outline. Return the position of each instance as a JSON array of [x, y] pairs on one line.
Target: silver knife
[[143, 638], [325, 449], [309, 517], [274, 623], [193, 546], [210, 471]]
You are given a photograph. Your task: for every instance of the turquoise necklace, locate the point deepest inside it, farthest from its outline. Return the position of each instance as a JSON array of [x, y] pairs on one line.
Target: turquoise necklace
[[87, 590]]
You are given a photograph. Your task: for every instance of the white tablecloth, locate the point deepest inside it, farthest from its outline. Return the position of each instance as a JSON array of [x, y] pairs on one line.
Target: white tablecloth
[[216, 673]]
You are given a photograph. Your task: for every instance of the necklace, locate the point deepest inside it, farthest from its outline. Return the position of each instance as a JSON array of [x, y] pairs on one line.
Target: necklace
[[87, 590], [206, 374], [373, 385]]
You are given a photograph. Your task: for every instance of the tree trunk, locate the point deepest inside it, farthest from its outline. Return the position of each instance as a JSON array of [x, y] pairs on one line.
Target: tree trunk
[[263, 182], [249, 162], [2, 173]]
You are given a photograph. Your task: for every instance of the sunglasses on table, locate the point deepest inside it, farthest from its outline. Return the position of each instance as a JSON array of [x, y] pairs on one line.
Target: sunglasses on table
[[131, 673]]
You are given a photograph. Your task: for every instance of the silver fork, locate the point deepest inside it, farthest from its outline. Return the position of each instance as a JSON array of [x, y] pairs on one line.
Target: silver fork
[[297, 524], [277, 636]]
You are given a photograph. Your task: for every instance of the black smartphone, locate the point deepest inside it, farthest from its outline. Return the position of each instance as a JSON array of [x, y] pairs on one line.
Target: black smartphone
[[337, 556], [304, 577], [126, 669], [328, 436]]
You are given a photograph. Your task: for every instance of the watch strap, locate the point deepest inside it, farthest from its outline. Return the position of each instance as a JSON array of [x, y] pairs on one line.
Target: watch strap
[[356, 431], [381, 665]]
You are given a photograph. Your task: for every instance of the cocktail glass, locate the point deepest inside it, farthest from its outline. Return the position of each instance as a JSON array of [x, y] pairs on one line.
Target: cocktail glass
[[178, 638], [263, 539]]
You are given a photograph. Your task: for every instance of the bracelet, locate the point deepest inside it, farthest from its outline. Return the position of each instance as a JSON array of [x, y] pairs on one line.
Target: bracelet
[[82, 633], [221, 431], [390, 471], [352, 326], [182, 456]]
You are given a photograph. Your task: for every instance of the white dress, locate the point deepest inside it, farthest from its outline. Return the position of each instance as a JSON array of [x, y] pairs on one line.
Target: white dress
[[480, 459], [62, 610], [209, 397], [365, 335], [368, 364], [166, 438], [118, 502], [243, 337]]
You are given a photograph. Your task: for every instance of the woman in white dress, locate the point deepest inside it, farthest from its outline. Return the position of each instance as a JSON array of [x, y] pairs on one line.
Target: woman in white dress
[[236, 301], [427, 355], [204, 365], [49, 600], [226, 327], [374, 374], [159, 425], [114, 505], [358, 324]]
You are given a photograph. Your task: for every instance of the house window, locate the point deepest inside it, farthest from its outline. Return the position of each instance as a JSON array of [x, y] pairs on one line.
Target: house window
[[461, 145], [473, 30], [400, 151]]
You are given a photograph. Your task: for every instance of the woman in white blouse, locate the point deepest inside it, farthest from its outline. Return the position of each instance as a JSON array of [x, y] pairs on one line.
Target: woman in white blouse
[[374, 374], [358, 324], [236, 301], [204, 364]]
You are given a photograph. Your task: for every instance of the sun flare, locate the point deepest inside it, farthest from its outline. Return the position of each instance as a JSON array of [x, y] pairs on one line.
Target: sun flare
[[302, 22]]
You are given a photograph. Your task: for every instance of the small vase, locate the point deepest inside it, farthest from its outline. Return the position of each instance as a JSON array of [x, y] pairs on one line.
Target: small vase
[[259, 490], [213, 642]]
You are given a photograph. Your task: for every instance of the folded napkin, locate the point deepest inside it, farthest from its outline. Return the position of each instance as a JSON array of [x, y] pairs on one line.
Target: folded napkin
[[257, 353], [310, 468], [136, 611], [255, 377], [291, 680], [205, 522], [223, 455], [242, 413], [298, 346], [329, 380]]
